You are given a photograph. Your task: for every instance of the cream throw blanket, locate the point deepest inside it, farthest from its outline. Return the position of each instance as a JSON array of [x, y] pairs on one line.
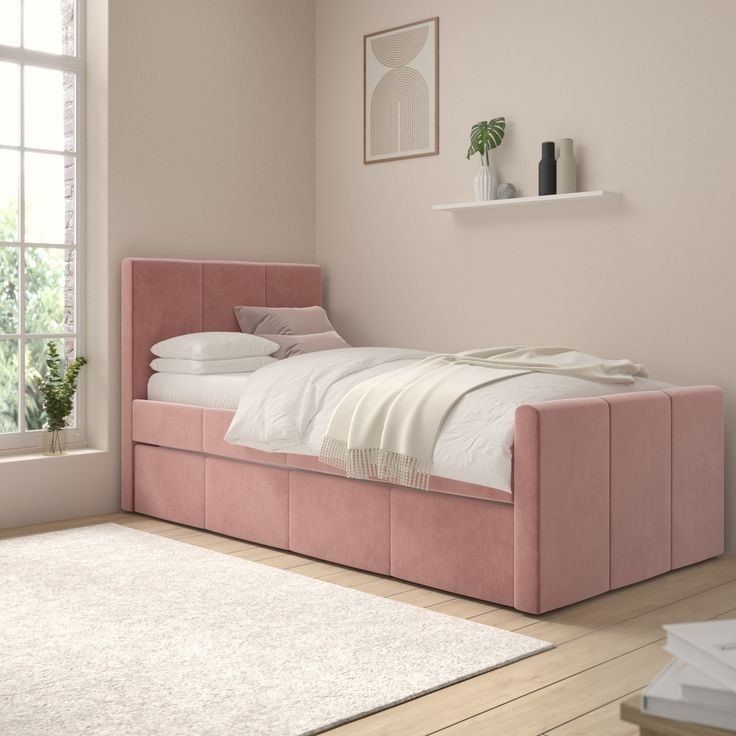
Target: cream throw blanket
[[386, 427]]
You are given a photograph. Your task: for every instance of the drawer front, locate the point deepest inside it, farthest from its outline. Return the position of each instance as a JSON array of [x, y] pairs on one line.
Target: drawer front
[[341, 520], [458, 544], [169, 484], [247, 501], [169, 425]]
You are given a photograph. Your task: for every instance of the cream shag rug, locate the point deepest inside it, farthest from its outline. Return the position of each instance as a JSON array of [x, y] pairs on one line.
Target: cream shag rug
[[106, 630]]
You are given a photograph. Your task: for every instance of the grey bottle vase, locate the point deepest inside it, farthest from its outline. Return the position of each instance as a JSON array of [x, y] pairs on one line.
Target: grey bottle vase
[[567, 169]]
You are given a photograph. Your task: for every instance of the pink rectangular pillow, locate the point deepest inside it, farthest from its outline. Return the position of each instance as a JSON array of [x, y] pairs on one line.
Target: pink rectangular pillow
[[296, 330], [282, 320], [297, 344]]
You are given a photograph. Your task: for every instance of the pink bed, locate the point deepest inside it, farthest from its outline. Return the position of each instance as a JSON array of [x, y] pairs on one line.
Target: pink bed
[[606, 491]]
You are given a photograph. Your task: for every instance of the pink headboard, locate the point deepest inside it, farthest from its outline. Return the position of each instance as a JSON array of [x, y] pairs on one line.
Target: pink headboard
[[162, 298]]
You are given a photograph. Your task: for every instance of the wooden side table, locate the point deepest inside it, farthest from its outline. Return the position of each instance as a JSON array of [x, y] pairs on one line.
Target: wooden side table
[[650, 725]]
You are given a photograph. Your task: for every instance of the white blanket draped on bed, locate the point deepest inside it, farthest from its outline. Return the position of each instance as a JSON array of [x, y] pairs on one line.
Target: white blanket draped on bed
[[387, 426], [286, 407]]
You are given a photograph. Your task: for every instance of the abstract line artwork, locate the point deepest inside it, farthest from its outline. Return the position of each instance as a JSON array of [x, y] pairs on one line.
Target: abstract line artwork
[[401, 92]]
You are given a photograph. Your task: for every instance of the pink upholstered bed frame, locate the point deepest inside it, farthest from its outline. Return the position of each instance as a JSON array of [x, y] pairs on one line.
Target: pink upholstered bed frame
[[607, 491]]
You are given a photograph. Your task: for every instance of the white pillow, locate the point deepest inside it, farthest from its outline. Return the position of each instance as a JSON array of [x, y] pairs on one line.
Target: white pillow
[[214, 346], [207, 367]]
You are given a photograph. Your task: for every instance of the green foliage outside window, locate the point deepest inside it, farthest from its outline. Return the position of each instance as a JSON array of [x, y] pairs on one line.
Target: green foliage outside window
[[44, 289]]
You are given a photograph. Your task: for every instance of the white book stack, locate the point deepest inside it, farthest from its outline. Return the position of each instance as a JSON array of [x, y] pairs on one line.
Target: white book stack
[[699, 685]]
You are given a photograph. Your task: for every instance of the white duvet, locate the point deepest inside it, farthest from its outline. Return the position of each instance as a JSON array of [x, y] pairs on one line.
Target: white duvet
[[287, 407]]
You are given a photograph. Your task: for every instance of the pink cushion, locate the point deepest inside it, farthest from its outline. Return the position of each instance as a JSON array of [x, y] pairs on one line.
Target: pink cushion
[[282, 320], [295, 330], [290, 345]]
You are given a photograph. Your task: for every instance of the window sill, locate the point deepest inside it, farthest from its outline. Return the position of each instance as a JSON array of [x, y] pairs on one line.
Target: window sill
[[36, 455]]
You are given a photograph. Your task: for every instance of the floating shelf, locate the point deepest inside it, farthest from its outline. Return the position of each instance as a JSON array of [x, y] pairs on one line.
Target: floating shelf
[[521, 201]]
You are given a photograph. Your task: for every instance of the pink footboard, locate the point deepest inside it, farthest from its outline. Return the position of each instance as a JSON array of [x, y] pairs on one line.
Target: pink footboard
[[613, 490]]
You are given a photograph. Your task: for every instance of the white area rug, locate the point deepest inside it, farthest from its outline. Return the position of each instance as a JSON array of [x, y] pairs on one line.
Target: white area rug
[[106, 630]]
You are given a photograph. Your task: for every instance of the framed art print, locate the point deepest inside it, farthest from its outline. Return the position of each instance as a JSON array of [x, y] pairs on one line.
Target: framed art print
[[401, 92]]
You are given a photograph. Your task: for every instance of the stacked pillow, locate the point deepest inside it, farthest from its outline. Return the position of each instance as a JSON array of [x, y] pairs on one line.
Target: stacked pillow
[[296, 330], [202, 353]]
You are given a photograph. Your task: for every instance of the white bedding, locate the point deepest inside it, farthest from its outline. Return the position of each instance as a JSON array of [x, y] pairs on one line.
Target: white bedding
[[288, 406], [215, 391]]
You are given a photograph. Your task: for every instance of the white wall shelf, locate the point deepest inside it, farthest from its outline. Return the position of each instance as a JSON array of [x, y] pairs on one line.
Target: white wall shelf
[[522, 201]]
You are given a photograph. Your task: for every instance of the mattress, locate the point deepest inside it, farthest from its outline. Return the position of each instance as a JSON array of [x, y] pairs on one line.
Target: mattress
[[215, 391]]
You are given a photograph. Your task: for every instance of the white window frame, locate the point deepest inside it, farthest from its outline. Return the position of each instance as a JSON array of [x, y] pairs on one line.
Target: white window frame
[[28, 440]]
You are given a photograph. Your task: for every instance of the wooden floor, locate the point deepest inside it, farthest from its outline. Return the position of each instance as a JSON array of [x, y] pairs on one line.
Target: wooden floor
[[607, 648]]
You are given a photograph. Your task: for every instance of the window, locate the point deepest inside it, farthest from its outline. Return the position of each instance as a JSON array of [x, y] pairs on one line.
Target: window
[[41, 243]]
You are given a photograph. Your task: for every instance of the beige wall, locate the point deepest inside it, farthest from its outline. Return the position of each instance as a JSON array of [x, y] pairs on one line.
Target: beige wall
[[645, 89], [206, 151], [202, 93]]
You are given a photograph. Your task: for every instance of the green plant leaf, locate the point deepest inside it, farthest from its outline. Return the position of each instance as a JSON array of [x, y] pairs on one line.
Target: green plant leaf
[[58, 390], [486, 135]]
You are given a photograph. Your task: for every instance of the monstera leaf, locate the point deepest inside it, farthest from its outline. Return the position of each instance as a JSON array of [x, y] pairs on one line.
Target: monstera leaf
[[485, 136]]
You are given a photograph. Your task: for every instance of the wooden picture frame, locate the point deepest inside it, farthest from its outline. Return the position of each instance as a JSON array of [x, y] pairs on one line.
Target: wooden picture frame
[[401, 92]]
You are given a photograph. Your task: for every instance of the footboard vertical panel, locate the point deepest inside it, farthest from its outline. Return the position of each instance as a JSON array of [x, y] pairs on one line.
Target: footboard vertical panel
[[641, 486], [561, 503], [697, 474]]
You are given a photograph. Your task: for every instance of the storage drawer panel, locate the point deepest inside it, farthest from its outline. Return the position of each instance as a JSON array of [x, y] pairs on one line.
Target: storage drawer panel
[[341, 520], [458, 544], [247, 501], [169, 484]]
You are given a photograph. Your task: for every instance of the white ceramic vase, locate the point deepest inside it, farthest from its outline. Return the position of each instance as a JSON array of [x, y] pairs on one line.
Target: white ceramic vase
[[484, 184]]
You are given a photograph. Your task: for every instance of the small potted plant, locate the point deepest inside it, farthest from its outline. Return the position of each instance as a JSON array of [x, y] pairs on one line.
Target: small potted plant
[[58, 398], [484, 137]]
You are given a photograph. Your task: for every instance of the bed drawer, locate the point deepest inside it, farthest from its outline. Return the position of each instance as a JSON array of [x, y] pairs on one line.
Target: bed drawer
[[169, 484], [345, 521], [169, 425], [247, 501], [458, 544]]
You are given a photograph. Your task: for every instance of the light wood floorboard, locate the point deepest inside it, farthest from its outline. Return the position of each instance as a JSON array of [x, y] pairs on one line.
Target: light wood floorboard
[[606, 648]]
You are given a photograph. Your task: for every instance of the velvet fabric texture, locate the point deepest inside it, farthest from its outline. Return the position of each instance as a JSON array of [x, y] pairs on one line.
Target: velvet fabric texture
[[282, 320], [163, 298], [290, 345], [598, 485], [597, 482]]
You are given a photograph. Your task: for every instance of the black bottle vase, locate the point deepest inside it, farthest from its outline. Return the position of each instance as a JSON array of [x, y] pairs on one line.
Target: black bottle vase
[[548, 169]]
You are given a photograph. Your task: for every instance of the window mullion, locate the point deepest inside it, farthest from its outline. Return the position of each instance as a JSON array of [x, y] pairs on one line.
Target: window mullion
[[22, 24], [22, 251]]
